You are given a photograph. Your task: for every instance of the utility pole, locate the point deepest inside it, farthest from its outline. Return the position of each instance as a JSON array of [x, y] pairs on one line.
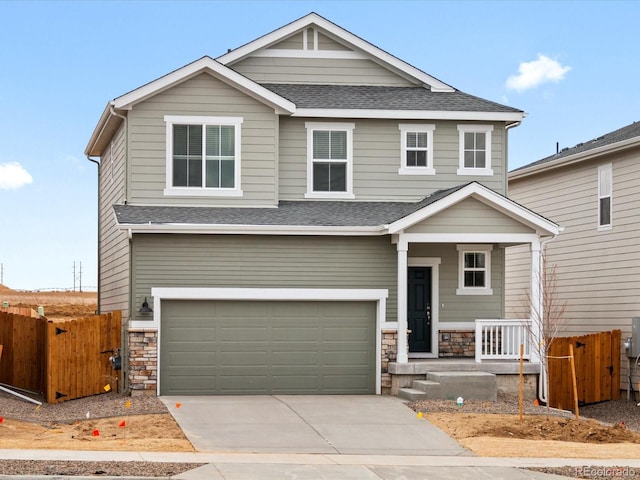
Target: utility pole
[[77, 276], [1, 273]]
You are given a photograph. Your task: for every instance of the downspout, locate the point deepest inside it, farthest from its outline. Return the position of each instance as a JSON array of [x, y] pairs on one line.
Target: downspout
[[506, 163], [125, 326], [542, 383], [99, 242]]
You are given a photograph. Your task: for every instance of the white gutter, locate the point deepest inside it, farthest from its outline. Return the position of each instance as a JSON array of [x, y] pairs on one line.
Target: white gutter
[[408, 114], [575, 158], [200, 229]]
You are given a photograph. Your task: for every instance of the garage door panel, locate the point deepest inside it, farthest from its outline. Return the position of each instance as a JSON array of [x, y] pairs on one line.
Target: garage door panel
[[233, 384], [295, 331], [261, 347], [188, 359], [248, 358], [299, 358], [340, 358], [244, 333], [338, 383]]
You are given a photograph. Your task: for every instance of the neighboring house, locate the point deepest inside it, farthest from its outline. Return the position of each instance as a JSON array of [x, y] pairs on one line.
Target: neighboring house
[[298, 212], [593, 191]]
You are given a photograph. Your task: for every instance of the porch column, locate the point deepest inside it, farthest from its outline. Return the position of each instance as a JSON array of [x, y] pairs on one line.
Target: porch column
[[403, 356], [537, 307]]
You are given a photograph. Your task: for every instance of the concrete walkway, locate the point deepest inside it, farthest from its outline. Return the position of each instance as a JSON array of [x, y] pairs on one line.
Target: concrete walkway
[[248, 466]]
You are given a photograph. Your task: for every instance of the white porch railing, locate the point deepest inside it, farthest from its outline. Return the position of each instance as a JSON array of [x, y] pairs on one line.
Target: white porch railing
[[499, 339]]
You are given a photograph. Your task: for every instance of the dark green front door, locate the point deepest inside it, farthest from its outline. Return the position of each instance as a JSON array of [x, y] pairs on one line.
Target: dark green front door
[[419, 309]]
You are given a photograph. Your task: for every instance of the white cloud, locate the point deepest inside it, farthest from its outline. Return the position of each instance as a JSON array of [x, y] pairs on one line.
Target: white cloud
[[534, 73], [13, 176]]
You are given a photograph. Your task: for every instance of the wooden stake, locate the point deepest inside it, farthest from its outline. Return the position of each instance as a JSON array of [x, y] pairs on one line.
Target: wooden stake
[[521, 380], [573, 377]]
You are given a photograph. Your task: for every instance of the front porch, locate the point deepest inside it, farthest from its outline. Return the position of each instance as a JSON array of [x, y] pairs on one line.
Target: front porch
[[491, 365], [506, 372]]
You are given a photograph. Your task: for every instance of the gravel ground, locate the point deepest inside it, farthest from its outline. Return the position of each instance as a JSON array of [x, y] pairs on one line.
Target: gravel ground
[[98, 406], [606, 412], [113, 404]]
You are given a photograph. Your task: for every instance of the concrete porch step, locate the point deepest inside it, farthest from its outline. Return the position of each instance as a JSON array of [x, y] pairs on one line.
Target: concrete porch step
[[451, 385]]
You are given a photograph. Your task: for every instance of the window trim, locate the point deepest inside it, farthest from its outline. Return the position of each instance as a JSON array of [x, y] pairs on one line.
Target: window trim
[[486, 129], [335, 126], [606, 168], [170, 190], [405, 128], [480, 248]]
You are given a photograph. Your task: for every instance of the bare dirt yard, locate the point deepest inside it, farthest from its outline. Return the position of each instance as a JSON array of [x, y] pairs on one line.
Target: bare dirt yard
[[57, 304], [489, 433]]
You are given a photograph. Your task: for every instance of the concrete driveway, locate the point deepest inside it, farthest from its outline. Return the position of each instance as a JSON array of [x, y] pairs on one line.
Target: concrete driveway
[[323, 424]]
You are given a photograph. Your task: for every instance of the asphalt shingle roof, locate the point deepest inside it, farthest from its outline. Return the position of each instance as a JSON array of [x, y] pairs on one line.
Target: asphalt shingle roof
[[290, 213], [383, 98], [620, 135]]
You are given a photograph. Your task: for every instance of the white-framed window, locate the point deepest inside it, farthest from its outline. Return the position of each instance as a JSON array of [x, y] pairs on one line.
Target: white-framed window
[[605, 191], [329, 160], [416, 149], [475, 150], [203, 155], [474, 270]]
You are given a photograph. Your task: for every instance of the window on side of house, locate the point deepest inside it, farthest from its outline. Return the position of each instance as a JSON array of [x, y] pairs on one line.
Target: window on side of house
[[475, 150], [329, 160], [605, 191], [203, 156], [474, 270], [416, 149]]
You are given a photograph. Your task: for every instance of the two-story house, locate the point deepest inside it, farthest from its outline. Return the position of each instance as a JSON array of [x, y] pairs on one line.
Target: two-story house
[[290, 216], [592, 190]]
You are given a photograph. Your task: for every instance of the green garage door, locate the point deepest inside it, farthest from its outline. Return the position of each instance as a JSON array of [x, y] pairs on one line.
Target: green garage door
[[267, 347]]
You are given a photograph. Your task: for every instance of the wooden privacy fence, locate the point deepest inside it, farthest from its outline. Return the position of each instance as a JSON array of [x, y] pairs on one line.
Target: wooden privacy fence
[[597, 363], [62, 360]]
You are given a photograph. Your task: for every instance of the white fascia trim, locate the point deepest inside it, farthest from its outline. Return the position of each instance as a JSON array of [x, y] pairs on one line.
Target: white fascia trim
[[510, 238], [315, 19], [408, 114], [482, 193], [328, 54], [251, 229], [576, 158], [321, 294], [293, 294], [205, 64]]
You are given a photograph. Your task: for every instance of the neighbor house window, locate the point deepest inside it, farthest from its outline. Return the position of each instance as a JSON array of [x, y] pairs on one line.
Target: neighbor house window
[[474, 270], [605, 188], [475, 150], [329, 160], [416, 149], [203, 156]]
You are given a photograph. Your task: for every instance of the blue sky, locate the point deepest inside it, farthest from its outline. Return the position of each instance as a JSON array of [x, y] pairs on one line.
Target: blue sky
[[572, 66]]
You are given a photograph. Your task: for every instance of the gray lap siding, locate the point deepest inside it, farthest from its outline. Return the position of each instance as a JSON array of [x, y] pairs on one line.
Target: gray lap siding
[[247, 261]]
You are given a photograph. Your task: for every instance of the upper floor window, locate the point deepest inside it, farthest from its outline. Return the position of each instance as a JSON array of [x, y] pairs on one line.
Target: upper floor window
[[416, 149], [475, 150], [203, 155], [605, 189], [329, 160], [474, 270]]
